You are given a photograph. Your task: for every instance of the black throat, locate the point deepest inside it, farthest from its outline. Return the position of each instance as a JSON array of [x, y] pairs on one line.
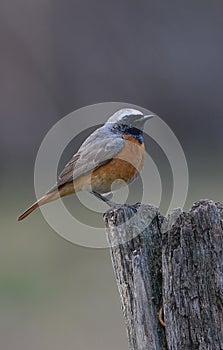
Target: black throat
[[129, 130]]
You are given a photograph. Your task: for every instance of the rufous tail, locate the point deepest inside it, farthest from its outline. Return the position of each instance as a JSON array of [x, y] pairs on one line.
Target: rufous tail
[[28, 211], [49, 197]]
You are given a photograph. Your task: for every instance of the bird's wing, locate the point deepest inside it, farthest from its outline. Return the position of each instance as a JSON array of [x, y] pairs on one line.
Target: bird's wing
[[99, 148]]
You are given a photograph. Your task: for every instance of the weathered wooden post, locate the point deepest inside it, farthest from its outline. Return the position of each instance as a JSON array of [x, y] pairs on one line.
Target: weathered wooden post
[[175, 263]]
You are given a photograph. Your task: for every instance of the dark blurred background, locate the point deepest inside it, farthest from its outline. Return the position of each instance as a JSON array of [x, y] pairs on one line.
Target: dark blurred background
[[57, 56]]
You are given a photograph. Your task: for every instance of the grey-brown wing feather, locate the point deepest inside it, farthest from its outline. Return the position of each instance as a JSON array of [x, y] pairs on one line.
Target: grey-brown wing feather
[[99, 148]]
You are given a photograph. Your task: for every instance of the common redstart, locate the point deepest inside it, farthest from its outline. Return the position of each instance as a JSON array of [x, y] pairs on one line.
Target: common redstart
[[113, 152]]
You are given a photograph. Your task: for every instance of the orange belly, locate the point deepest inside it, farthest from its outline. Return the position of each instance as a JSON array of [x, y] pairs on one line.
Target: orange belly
[[125, 166]]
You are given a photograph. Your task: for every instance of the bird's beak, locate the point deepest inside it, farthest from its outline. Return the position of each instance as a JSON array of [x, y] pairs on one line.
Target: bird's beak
[[142, 120], [146, 117]]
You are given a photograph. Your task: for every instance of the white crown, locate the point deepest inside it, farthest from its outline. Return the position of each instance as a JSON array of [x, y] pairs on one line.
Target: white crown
[[121, 113]]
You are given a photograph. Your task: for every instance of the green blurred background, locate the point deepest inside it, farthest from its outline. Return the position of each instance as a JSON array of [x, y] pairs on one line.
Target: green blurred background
[[59, 56]]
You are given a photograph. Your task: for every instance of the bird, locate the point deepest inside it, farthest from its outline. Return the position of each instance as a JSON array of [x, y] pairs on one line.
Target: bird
[[115, 151]]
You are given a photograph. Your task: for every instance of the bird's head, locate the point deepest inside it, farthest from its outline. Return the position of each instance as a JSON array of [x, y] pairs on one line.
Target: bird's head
[[130, 117]]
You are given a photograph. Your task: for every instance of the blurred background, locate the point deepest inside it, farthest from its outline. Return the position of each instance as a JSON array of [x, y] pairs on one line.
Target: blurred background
[[57, 56]]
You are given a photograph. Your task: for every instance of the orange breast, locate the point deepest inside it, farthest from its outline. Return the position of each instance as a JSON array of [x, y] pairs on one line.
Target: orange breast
[[125, 166]]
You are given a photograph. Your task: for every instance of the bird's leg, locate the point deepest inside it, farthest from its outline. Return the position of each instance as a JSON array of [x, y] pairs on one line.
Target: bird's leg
[[104, 199]]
